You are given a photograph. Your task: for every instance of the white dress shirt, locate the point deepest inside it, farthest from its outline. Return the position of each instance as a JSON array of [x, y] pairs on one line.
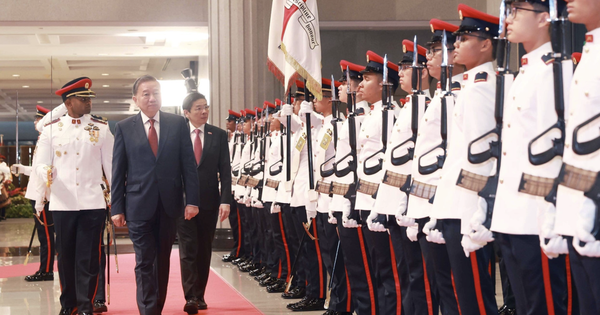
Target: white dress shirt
[[146, 121], [193, 134]]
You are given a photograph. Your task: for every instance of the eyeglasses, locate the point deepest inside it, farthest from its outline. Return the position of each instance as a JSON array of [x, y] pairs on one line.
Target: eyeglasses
[[404, 67], [202, 108], [463, 37], [514, 10], [433, 51]]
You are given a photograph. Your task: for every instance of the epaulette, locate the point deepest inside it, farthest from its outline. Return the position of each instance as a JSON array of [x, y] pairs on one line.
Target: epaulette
[[427, 100], [455, 86], [52, 122], [99, 119], [547, 59], [481, 77]]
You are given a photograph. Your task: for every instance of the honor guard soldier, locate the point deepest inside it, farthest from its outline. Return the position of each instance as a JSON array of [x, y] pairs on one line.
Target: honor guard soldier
[[429, 150], [234, 219], [352, 240], [473, 115], [44, 224], [577, 201], [73, 152], [539, 283]]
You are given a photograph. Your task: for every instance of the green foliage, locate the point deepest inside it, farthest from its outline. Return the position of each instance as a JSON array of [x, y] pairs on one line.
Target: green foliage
[[23, 210]]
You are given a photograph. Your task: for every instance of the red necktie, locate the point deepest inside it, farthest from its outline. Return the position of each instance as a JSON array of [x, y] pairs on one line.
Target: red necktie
[[198, 147], [153, 137]]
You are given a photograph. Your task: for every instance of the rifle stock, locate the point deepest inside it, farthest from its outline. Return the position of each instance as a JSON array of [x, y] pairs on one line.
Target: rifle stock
[[587, 147]]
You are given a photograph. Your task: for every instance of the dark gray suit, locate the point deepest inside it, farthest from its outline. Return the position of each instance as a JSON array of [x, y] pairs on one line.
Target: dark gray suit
[[196, 235], [150, 191]]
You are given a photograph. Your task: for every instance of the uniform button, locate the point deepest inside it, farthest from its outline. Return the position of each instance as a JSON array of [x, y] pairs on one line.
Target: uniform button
[[567, 146], [77, 169], [362, 145], [77, 184], [418, 134], [587, 50], [77, 138], [522, 71], [426, 119], [60, 145], [587, 94], [501, 181], [513, 98], [518, 107], [575, 81], [77, 153], [390, 142], [504, 153], [367, 136], [508, 125], [65, 152]]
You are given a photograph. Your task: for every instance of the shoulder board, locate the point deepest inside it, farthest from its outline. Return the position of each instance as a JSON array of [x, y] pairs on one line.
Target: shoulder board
[[99, 119], [427, 100], [547, 59], [481, 77], [52, 122], [455, 86]]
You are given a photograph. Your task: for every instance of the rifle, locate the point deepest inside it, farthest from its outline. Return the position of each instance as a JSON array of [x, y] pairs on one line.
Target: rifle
[[311, 175], [352, 164], [446, 83], [334, 102], [288, 140], [488, 192], [386, 98], [417, 93], [587, 147], [559, 55]]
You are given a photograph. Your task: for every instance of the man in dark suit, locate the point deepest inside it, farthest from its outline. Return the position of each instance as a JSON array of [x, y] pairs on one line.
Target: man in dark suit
[[153, 165], [211, 151]]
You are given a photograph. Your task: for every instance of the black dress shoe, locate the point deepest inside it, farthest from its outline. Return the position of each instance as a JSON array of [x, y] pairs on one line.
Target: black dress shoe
[[202, 305], [100, 307], [40, 276], [505, 310], [267, 282], [85, 313], [238, 260], [310, 305], [277, 287], [191, 306], [331, 312], [295, 293], [258, 271], [297, 304], [68, 311], [228, 258], [249, 267], [263, 276]]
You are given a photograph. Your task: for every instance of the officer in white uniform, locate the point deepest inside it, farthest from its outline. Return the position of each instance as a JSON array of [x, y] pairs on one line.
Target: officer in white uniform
[[234, 219], [73, 153]]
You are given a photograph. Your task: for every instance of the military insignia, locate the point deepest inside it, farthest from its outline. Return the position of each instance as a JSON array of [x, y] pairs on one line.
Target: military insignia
[[432, 29], [301, 142], [326, 141], [460, 14], [58, 153], [87, 85], [481, 77], [547, 59], [60, 124], [403, 49], [98, 119], [439, 85], [455, 86], [465, 77], [524, 61], [589, 38]]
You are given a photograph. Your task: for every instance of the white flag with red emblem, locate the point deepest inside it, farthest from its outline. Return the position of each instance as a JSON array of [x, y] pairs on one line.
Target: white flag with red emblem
[[275, 57]]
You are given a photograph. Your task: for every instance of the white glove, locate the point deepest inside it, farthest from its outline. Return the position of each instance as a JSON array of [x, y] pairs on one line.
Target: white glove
[[43, 174], [331, 219], [257, 203], [375, 226], [401, 218], [275, 208], [412, 232], [433, 235], [305, 108], [311, 214], [346, 221], [469, 246], [480, 234], [15, 168], [39, 207], [585, 224], [248, 201], [557, 244], [287, 110]]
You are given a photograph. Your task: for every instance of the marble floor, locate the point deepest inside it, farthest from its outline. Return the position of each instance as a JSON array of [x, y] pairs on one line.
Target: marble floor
[[20, 297]]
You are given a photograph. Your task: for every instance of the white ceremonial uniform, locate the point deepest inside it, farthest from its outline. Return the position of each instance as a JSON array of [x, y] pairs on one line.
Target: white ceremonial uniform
[[56, 113], [283, 196], [255, 160], [428, 138], [234, 160], [245, 155], [528, 111], [300, 195], [324, 150], [338, 202], [79, 152], [272, 158], [369, 141], [388, 197], [473, 116], [584, 102]]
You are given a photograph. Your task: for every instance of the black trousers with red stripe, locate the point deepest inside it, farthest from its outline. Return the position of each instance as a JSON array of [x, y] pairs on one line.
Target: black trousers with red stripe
[[387, 278], [539, 283], [271, 244], [586, 277], [45, 235], [245, 215], [311, 261], [359, 267], [78, 238], [289, 226], [257, 236], [330, 248], [101, 286], [430, 274], [473, 283], [280, 249], [236, 229]]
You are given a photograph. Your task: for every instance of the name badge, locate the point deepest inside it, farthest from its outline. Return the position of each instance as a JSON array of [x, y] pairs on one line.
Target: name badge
[[301, 142], [326, 141]]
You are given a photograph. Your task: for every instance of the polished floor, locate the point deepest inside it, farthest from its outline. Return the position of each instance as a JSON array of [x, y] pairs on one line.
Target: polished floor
[[20, 297]]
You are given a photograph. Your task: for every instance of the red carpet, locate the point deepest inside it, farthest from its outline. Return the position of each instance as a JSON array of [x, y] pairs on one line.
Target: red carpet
[[220, 296]]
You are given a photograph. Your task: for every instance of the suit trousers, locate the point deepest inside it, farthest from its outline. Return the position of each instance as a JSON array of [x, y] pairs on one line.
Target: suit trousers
[[360, 269], [78, 239], [152, 242], [333, 256], [387, 278], [473, 282], [195, 251], [46, 237], [236, 230]]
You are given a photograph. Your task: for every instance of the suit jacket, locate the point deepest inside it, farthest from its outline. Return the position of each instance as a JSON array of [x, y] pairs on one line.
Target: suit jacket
[[140, 178], [214, 165]]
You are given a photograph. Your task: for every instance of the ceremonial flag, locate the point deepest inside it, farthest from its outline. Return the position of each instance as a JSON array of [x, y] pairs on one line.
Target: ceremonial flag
[[301, 41], [275, 57]]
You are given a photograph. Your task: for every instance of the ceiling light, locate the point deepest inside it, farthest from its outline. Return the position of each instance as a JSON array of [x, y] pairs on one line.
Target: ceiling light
[[40, 102], [105, 85], [106, 101], [16, 75], [102, 54], [105, 74], [25, 86]]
